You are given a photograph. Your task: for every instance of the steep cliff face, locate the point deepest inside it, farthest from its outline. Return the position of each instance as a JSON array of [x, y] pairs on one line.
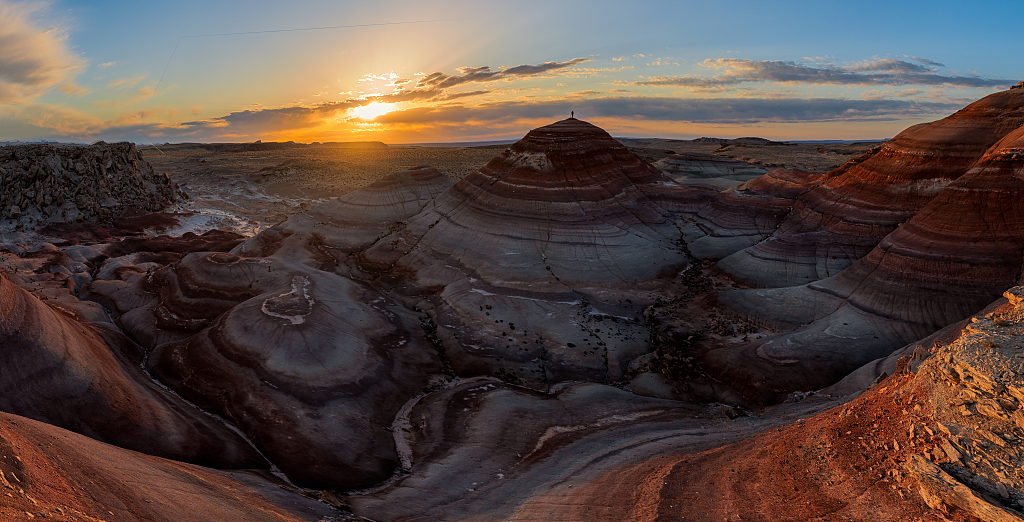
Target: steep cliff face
[[50, 183]]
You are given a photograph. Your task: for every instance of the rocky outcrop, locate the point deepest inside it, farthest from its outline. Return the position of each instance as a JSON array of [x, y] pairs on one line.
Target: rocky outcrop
[[61, 183], [842, 218]]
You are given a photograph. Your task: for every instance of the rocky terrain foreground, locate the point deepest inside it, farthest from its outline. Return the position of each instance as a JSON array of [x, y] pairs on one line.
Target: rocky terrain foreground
[[566, 333]]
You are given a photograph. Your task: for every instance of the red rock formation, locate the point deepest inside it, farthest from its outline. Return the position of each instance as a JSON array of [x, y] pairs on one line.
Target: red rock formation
[[62, 372], [855, 206], [951, 259], [50, 473]]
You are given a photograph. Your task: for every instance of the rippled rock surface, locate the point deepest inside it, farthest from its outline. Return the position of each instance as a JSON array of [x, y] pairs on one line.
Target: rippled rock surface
[[312, 372], [736, 219]]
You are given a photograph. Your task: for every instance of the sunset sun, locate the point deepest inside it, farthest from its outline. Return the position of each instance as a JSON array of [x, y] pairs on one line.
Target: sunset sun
[[372, 110]]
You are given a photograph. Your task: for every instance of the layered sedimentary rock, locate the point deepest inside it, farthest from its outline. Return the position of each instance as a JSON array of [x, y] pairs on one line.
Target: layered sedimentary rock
[[537, 265], [64, 183], [485, 450], [845, 215], [736, 219], [50, 473], [707, 170], [87, 379], [938, 439], [313, 372], [309, 365], [329, 232], [947, 262]]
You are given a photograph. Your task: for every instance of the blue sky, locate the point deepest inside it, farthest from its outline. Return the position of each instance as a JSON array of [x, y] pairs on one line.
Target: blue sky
[[417, 71]]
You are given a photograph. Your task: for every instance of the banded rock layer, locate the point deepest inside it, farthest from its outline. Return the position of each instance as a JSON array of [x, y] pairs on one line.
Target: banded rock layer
[[951, 259], [310, 366], [50, 473], [843, 217], [60, 371], [536, 265]]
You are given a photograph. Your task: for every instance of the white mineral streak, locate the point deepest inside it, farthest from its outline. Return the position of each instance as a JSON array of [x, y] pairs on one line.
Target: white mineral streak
[[299, 283]]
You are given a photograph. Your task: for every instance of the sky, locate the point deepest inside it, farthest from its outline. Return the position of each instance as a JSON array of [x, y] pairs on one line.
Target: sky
[[405, 71]]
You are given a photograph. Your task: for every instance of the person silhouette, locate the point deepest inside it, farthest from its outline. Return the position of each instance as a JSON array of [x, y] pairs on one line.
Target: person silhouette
[[572, 115]]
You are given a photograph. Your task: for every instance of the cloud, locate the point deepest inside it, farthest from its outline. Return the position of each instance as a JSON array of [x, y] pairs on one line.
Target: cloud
[[544, 68], [71, 88], [277, 119], [43, 121], [870, 72], [705, 110], [926, 61], [106, 64], [140, 94], [440, 80], [32, 60], [128, 82]]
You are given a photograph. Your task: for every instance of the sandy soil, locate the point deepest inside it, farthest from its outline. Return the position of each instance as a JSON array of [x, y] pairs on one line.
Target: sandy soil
[[812, 157]]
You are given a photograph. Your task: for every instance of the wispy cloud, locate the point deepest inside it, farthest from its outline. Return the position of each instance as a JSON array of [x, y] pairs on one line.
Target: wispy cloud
[[127, 82], [72, 89], [882, 71], [705, 110], [439, 80], [32, 59]]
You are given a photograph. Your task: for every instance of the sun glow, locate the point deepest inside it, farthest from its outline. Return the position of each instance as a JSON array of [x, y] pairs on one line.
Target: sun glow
[[372, 110]]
